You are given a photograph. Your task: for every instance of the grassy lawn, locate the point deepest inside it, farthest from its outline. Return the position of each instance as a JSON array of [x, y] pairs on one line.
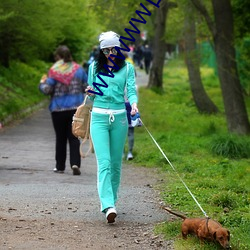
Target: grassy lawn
[[214, 164]]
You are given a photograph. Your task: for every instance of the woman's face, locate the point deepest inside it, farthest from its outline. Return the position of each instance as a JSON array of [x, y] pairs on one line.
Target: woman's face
[[109, 52]]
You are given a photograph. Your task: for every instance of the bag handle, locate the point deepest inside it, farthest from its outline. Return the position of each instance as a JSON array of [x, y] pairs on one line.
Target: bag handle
[[87, 137], [91, 148], [85, 99]]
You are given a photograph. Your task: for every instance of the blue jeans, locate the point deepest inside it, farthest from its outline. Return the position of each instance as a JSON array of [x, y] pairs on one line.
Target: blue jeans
[[108, 139]]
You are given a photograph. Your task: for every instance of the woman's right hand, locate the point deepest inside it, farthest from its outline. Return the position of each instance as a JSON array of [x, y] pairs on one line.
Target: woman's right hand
[[87, 91]]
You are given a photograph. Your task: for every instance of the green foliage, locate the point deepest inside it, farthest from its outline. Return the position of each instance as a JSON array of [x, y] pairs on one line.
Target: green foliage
[[41, 29], [110, 9], [19, 87], [175, 25], [118, 19], [231, 146], [219, 183], [176, 18], [241, 17], [243, 59]]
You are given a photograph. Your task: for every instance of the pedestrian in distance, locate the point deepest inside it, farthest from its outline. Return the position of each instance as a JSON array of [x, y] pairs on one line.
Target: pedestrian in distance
[[109, 125], [147, 54], [92, 57], [131, 129], [65, 83], [139, 56]]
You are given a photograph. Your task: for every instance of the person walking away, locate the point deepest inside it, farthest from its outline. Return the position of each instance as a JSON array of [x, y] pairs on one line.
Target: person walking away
[[93, 55], [109, 123], [130, 127], [65, 84], [139, 52], [147, 58]]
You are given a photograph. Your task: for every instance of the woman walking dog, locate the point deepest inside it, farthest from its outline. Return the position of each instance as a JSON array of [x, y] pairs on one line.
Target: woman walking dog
[[109, 123]]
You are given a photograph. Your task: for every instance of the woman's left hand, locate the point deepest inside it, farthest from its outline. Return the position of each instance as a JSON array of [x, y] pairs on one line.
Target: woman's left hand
[[134, 109], [88, 93]]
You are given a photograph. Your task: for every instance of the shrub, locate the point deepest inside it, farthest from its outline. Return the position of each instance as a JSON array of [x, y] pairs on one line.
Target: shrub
[[231, 146]]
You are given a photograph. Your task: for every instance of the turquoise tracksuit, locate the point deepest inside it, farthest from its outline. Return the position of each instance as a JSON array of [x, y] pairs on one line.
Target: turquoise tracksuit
[[108, 129]]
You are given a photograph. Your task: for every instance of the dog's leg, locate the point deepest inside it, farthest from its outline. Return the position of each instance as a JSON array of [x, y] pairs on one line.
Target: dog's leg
[[184, 235]]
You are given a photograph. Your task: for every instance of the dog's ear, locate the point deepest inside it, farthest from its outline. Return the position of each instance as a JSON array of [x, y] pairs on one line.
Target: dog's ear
[[228, 237], [214, 235]]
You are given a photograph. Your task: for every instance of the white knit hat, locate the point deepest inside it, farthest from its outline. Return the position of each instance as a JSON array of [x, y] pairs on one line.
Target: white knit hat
[[109, 39]]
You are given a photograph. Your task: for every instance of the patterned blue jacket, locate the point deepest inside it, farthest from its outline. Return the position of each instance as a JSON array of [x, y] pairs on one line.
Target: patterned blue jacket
[[65, 97]]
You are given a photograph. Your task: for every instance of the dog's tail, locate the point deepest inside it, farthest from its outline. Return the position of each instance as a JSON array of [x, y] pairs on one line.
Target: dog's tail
[[175, 213]]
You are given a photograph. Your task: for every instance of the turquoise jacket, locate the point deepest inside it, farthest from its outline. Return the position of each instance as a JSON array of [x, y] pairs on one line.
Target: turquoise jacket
[[113, 95]]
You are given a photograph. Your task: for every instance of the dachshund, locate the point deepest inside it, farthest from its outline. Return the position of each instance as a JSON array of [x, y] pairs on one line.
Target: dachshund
[[204, 229]]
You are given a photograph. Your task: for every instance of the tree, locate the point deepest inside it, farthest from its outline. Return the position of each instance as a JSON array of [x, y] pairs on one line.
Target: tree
[[201, 99], [111, 14], [223, 38], [159, 45], [28, 33], [118, 19]]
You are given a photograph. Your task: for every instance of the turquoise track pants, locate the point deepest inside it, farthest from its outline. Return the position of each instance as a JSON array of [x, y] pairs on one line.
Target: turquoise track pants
[[108, 136]]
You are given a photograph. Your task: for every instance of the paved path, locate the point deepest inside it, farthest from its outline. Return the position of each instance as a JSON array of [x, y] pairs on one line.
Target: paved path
[[141, 78], [30, 192], [26, 163]]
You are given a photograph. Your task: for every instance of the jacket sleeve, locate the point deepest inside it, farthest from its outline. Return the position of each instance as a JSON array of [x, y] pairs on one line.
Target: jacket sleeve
[[81, 74], [91, 75], [47, 87]]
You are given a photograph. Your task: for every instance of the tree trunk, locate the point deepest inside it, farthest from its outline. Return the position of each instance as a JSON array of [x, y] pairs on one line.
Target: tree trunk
[[159, 47], [223, 38], [235, 109], [201, 99]]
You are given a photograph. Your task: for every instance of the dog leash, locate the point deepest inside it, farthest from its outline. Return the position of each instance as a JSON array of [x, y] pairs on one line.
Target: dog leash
[[174, 169]]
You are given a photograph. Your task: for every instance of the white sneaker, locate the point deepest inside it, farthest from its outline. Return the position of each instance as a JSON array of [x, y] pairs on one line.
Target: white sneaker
[[130, 156], [111, 214]]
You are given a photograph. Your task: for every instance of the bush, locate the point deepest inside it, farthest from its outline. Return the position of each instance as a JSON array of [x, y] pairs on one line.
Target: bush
[[19, 88], [231, 146]]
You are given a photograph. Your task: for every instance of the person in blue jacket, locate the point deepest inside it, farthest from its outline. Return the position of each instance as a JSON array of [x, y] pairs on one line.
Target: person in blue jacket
[[109, 124], [65, 83]]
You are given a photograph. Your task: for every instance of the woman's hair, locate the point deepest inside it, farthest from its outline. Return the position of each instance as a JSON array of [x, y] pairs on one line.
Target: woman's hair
[[102, 60], [63, 52]]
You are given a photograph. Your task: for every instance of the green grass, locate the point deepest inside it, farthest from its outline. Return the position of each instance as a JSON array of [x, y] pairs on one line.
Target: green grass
[[19, 88], [214, 164]]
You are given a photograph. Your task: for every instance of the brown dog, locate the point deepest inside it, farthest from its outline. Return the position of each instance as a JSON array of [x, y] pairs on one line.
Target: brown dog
[[204, 229]]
